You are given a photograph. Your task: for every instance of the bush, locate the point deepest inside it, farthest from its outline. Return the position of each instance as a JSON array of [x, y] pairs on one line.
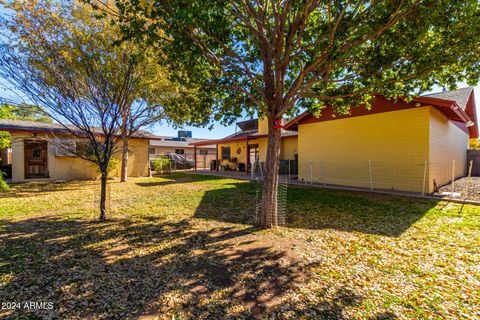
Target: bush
[[474, 144], [3, 185], [162, 164]]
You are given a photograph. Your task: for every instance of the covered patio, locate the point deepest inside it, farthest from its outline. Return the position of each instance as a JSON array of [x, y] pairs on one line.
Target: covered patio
[[237, 153]]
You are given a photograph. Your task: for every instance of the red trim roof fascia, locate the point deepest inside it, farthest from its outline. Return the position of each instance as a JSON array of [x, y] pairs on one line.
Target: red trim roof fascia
[[441, 103]]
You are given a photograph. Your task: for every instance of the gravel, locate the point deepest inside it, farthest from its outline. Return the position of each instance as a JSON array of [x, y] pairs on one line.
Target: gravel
[[464, 188]]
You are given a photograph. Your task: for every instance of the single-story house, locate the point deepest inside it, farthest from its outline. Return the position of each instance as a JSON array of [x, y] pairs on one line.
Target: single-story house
[[412, 145], [248, 146], [181, 145], [37, 153]]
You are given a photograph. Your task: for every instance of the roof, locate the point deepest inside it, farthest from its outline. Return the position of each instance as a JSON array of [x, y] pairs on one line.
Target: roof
[[457, 105], [248, 125], [56, 128], [460, 96], [164, 141], [245, 135]]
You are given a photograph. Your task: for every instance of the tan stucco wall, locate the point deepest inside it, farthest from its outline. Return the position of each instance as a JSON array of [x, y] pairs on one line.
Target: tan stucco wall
[[138, 158], [189, 151], [447, 143], [73, 168]]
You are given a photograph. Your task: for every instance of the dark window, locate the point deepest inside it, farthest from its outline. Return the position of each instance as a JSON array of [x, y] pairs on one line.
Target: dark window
[[36, 153], [226, 153], [179, 151], [151, 150], [203, 152]]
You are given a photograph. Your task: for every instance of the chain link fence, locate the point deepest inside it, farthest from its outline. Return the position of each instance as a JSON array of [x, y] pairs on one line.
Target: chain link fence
[[449, 179]]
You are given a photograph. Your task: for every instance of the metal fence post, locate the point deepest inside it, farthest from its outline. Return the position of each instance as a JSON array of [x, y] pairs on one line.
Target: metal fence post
[[311, 172], [424, 177], [370, 174], [453, 177], [323, 174], [288, 170]]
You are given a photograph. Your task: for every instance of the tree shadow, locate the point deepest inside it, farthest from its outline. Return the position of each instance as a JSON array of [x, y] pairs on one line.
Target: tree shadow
[[176, 178], [316, 208], [128, 268], [29, 189]]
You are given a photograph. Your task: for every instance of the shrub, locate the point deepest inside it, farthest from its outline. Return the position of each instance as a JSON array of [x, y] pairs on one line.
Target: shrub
[[162, 164], [474, 144], [3, 185]]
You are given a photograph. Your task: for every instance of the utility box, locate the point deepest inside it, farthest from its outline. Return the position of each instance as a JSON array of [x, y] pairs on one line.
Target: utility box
[[474, 155]]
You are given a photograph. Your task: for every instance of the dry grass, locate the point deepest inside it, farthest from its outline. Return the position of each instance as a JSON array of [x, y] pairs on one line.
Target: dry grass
[[181, 246]]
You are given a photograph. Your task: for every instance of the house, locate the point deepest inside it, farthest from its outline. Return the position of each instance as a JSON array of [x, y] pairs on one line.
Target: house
[[181, 145], [415, 145], [412, 145], [40, 152], [248, 146]]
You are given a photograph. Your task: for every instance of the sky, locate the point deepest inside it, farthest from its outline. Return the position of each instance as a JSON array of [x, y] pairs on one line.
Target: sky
[[220, 131]]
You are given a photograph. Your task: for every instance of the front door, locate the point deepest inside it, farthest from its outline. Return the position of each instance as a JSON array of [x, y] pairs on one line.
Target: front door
[[36, 159]]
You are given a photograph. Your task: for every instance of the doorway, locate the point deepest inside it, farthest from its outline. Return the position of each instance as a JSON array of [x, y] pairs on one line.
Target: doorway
[[36, 159]]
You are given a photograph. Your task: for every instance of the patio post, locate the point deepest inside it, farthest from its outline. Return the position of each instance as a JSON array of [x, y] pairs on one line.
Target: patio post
[[216, 150], [195, 157], [248, 158]]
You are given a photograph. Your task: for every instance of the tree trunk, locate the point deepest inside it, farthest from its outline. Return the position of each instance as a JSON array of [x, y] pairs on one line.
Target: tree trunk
[[269, 217], [124, 171], [103, 197]]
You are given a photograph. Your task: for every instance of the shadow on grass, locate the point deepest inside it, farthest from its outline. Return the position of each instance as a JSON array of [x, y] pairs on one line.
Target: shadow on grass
[[315, 208], [121, 269], [176, 178], [29, 189]]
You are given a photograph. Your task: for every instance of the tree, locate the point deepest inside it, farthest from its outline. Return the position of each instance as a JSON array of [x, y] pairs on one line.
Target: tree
[[281, 57], [74, 66], [19, 112]]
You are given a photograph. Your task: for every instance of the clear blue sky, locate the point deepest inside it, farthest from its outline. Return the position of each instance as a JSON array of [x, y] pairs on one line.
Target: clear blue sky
[[220, 131]]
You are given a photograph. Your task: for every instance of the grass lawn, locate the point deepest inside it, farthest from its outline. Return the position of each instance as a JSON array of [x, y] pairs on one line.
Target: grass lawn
[[183, 247]]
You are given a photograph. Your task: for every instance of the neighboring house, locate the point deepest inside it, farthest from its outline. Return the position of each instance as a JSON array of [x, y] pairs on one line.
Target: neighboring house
[[249, 145], [408, 146], [6, 157], [40, 152], [405, 145], [181, 145]]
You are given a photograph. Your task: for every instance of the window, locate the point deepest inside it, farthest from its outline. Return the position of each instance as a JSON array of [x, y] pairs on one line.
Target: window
[[36, 153], [226, 153], [151, 150], [179, 151], [203, 152]]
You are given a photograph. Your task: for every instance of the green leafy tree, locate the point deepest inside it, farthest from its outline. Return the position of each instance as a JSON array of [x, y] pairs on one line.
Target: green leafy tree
[[19, 112], [74, 66], [281, 57]]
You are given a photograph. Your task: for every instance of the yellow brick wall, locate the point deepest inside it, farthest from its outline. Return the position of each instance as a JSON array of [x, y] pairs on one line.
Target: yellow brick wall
[[263, 125], [289, 148], [338, 152], [447, 143]]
